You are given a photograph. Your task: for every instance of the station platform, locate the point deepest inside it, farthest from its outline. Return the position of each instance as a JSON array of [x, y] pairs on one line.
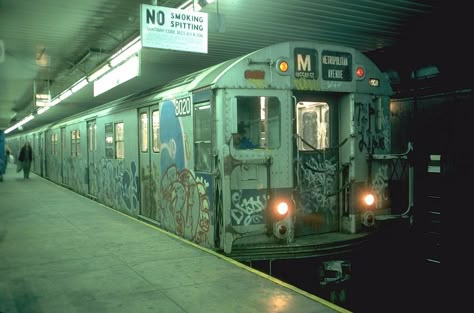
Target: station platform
[[62, 252]]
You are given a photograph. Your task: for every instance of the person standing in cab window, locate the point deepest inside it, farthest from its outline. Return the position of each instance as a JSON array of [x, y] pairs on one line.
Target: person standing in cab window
[[244, 141], [26, 157]]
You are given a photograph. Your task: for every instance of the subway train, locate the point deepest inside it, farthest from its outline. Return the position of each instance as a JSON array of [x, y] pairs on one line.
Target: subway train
[[285, 152]]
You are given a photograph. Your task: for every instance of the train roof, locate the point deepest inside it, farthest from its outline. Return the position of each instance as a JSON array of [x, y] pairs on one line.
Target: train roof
[[230, 74]]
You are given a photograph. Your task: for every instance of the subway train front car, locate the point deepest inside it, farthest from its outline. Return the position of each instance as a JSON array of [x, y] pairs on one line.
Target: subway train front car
[[311, 181]]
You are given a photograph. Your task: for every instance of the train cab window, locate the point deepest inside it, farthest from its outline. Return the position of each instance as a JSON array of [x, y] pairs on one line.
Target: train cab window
[[258, 120], [119, 141], [202, 137], [155, 119], [144, 132], [109, 141], [312, 125], [75, 142]]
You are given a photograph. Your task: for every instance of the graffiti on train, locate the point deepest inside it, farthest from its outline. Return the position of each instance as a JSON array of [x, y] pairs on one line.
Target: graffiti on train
[[247, 207], [117, 185], [185, 205], [372, 126], [150, 192], [380, 185], [318, 186]]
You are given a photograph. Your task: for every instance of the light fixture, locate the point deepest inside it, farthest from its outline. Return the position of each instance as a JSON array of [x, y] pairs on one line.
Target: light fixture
[[19, 124], [79, 85], [118, 75], [54, 102], [426, 72], [185, 5], [104, 69], [42, 110], [65, 94], [126, 52]]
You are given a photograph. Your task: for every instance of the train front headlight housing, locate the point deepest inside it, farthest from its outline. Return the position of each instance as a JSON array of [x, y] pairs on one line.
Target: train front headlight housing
[[367, 216], [282, 218]]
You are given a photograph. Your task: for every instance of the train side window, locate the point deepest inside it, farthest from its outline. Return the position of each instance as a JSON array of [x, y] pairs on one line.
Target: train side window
[[119, 141], [54, 144], [312, 125], [155, 116], [109, 141], [75, 142], [144, 132], [202, 137], [258, 119]]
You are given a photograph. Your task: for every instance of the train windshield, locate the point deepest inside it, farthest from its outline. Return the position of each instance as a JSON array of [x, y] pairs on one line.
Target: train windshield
[[258, 122]]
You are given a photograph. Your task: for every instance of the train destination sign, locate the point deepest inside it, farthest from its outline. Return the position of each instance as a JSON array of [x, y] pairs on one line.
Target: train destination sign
[[336, 65], [173, 29], [305, 63]]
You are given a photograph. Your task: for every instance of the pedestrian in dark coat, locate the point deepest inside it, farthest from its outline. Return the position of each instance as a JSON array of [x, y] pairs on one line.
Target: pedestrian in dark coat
[[26, 157]]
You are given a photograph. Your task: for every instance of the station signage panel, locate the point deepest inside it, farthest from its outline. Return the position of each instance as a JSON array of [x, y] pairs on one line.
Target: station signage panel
[[173, 29]]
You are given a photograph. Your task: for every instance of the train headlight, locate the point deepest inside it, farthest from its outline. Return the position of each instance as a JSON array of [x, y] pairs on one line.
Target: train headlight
[[282, 219], [282, 208], [369, 199], [368, 217]]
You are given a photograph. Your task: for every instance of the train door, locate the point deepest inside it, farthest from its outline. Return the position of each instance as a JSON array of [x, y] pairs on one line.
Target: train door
[[3, 159], [48, 148], [317, 164], [91, 157], [63, 154], [261, 153], [41, 144], [149, 162]]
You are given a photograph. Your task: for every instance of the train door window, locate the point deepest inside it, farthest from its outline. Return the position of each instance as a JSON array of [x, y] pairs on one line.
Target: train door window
[[144, 132], [92, 136], [155, 117], [312, 125], [109, 141], [258, 119], [119, 141], [202, 137], [75, 142]]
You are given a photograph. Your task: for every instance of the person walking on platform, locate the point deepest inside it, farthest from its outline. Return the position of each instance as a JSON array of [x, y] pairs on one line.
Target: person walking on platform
[[26, 157]]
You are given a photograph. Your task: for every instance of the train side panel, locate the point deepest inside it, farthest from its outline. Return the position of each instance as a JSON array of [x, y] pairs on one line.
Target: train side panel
[[186, 194]]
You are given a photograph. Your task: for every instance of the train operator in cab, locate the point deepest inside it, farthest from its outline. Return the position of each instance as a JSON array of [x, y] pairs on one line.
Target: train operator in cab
[[243, 142]]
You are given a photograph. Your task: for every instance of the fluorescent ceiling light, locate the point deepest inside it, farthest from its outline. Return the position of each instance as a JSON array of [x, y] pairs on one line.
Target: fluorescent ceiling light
[[118, 75], [43, 109], [79, 85], [185, 4], [65, 94], [99, 73], [126, 52], [54, 102], [22, 122]]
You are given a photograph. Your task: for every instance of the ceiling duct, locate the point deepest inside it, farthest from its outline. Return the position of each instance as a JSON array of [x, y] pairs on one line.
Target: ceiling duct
[[84, 57]]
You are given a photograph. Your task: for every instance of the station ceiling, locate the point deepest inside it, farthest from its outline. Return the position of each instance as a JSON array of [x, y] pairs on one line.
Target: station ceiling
[[50, 44]]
